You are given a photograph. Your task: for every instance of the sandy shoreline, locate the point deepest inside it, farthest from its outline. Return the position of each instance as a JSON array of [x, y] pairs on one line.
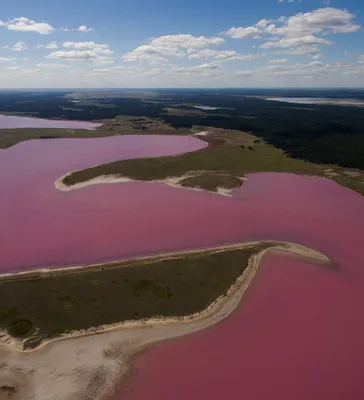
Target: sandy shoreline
[[90, 363], [172, 181]]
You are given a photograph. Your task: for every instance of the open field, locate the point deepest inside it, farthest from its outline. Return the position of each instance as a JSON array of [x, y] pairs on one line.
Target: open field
[[236, 154]]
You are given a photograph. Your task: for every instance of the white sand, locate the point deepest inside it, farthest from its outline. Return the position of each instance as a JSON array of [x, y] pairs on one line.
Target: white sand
[[203, 133], [172, 181], [87, 366]]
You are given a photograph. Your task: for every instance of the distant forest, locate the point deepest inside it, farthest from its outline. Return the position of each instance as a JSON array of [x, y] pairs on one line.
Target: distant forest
[[317, 133]]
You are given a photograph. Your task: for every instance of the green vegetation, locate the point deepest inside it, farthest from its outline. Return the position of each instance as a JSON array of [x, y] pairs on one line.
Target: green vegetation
[[120, 125], [325, 134], [212, 181], [46, 305], [232, 159]]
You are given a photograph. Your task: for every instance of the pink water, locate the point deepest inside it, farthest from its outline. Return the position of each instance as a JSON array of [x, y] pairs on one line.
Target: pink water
[[298, 332], [12, 122], [297, 335]]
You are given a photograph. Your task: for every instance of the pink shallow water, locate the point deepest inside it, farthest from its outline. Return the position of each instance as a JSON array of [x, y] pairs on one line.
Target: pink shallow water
[[12, 122], [42, 227], [297, 334]]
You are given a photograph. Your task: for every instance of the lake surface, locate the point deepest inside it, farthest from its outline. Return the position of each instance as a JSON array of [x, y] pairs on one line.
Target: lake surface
[[298, 332], [296, 100], [13, 122], [209, 108]]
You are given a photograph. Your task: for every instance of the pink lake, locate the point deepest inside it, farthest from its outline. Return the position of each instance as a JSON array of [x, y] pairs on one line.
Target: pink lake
[[12, 122], [298, 332]]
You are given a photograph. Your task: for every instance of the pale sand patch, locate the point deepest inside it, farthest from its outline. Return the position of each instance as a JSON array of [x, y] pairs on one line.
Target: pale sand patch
[[353, 174], [203, 133], [102, 179], [172, 181], [88, 365]]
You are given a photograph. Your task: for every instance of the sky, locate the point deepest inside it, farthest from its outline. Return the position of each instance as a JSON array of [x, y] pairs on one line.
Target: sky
[[189, 43]]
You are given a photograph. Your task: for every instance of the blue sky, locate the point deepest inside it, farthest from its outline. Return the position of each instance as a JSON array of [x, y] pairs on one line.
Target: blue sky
[[190, 43]]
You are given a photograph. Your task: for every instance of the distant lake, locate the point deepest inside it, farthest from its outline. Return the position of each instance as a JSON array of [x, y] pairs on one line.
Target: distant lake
[[209, 108], [320, 100], [14, 122], [297, 100]]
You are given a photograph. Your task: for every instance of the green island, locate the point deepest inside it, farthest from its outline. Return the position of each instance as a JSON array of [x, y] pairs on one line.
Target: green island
[[229, 157], [44, 305]]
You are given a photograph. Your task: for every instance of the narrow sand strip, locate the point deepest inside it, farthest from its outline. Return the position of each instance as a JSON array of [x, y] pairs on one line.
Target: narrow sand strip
[[88, 365], [172, 181]]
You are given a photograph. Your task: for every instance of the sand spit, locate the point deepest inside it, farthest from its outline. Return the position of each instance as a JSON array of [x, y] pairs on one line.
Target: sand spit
[[102, 179], [88, 365], [172, 181]]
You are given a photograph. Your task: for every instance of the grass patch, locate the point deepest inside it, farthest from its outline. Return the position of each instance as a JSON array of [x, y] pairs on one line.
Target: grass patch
[[120, 125], [212, 181], [132, 290], [233, 158]]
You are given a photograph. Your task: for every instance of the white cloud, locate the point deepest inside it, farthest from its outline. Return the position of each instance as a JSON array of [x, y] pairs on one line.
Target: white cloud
[[23, 24], [159, 49], [227, 55], [52, 65], [250, 32], [5, 59], [299, 51], [263, 23], [86, 51], [83, 28], [101, 49], [278, 61], [19, 46], [361, 59], [296, 42], [73, 55], [322, 20], [299, 31], [317, 56], [207, 69], [51, 45], [244, 73]]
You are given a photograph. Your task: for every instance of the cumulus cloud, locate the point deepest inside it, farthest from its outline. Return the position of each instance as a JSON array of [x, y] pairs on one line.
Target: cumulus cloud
[[101, 49], [52, 65], [296, 42], [84, 28], [251, 32], [227, 55], [299, 30], [73, 55], [23, 24], [19, 46], [5, 59], [278, 61], [244, 73], [328, 20], [311, 69], [84, 51], [207, 69], [159, 49], [51, 45]]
